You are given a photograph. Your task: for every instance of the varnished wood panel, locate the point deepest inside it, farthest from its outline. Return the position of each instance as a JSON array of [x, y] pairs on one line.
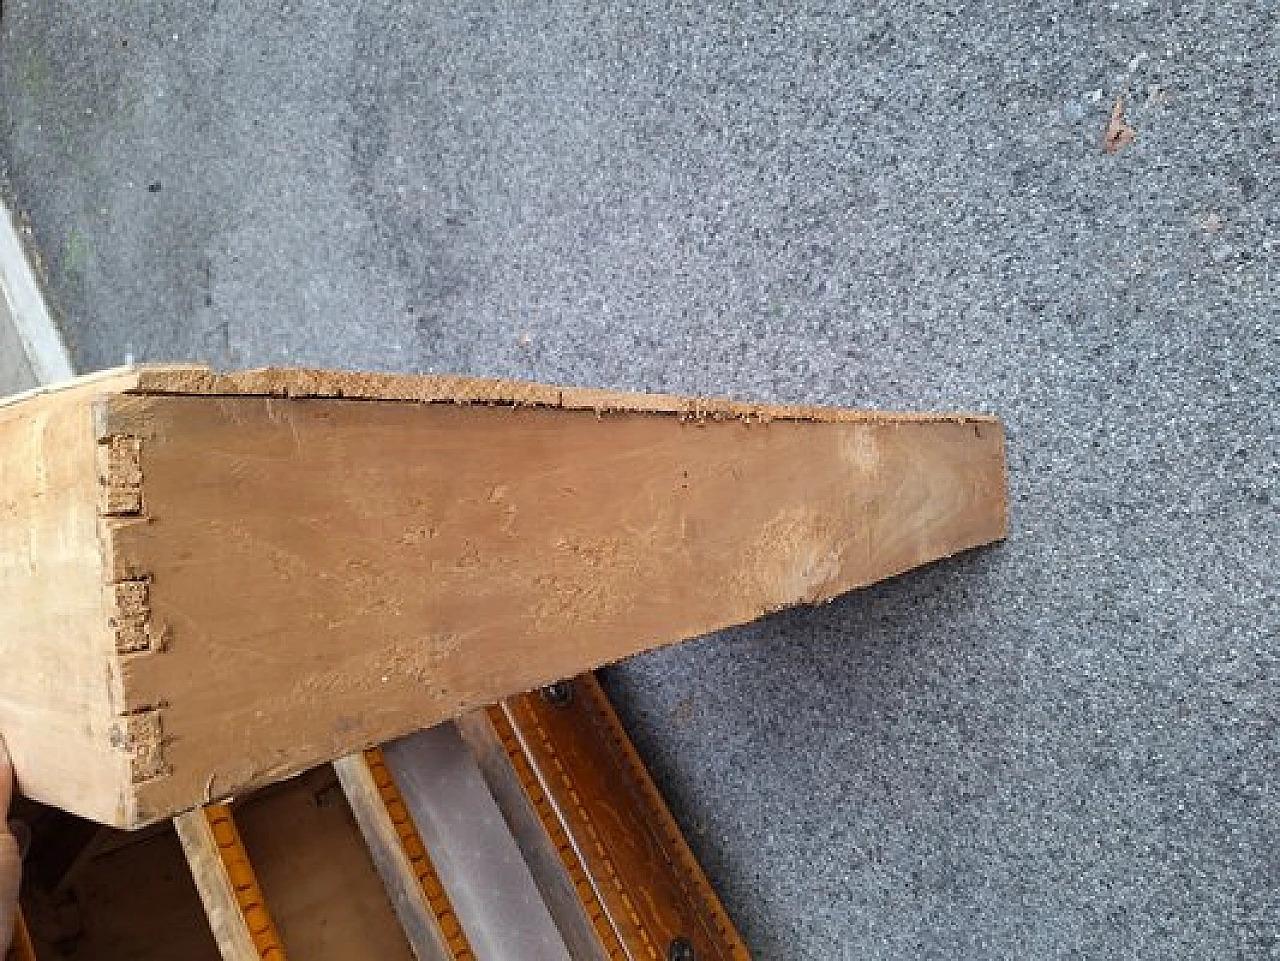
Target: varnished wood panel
[[637, 879], [317, 875], [59, 692]]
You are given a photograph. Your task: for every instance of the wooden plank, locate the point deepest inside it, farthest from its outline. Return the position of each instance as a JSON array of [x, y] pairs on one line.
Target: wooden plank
[[59, 696], [291, 577], [634, 873], [233, 901], [423, 907], [317, 874], [396, 565], [564, 886]]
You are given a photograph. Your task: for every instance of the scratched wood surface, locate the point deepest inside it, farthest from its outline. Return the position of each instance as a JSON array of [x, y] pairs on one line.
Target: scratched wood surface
[[58, 694], [289, 569]]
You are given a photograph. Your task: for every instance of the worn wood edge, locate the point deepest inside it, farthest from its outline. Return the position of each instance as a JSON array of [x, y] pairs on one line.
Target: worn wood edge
[[113, 731], [426, 939], [138, 730], [456, 389], [217, 893], [134, 734], [564, 899], [304, 383]]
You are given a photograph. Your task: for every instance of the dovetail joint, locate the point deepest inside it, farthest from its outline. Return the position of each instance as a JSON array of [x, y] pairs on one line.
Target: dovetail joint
[[131, 622], [140, 735], [120, 474]]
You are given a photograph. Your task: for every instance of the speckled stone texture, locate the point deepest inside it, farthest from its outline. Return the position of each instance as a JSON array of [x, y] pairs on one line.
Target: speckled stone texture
[[15, 371], [1061, 747]]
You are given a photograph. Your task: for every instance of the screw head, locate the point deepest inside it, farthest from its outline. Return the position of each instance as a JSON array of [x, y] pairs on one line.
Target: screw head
[[681, 950], [558, 694]]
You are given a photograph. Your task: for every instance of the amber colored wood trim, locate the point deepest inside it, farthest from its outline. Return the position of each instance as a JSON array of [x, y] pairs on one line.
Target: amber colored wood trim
[[421, 903], [232, 897], [635, 874]]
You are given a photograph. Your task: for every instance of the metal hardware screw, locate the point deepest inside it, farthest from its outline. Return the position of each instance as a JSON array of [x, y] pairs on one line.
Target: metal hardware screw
[[558, 694]]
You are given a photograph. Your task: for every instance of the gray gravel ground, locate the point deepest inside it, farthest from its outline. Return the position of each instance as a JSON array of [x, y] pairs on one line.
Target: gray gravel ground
[[1062, 747]]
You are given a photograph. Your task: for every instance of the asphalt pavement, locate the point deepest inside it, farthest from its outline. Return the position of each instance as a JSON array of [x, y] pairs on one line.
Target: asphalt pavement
[[1064, 746]]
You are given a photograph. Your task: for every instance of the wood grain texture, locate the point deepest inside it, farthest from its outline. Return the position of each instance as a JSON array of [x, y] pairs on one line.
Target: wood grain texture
[[454, 389], [60, 687], [223, 897], [300, 564], [639, 881], [429, 922]]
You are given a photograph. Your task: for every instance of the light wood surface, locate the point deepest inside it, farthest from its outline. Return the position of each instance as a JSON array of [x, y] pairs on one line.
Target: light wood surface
[[223, 904], [296, 569], [58, 684]]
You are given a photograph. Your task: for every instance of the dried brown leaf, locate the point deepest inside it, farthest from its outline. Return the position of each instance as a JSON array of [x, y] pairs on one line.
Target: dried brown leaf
[[1118, 134]]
